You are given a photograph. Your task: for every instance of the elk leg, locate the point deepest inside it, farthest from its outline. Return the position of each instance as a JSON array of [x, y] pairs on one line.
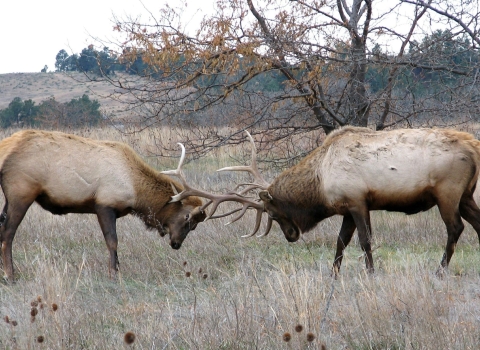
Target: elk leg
[[361, 216], [453, 222], [9, 226], [470, 212], [107, 220], [344, 237], [3, 216]]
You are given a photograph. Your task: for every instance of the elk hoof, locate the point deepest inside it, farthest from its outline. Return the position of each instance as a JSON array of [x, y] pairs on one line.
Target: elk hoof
[[441, 272], [335, 272], [6, 280]]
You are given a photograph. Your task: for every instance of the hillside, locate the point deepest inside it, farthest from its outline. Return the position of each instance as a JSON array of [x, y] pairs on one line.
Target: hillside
[[41, 86]]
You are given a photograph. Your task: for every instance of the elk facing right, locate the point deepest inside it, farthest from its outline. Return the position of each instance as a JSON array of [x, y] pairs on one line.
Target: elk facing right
[[70, 174]]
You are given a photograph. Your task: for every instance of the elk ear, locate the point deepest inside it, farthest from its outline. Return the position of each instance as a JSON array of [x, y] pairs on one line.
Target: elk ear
[[198, 215], [265, 196]]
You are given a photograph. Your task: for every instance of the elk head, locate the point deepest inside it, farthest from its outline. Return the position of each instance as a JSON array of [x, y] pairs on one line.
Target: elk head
[[184, 220], [276, 212]]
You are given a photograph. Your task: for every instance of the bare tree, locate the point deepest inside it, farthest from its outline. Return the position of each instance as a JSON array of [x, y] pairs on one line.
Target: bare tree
[[285, 69]]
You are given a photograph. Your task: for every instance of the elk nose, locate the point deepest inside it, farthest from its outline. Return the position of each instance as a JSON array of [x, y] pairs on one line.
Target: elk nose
[[175, 245], [292, 235]]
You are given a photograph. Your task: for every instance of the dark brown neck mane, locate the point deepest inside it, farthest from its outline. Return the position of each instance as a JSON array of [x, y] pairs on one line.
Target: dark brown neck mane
[[298, 190]]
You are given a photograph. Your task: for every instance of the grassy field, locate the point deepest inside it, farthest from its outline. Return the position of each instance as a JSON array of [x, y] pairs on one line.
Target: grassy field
[[221, 291], [64, 87]]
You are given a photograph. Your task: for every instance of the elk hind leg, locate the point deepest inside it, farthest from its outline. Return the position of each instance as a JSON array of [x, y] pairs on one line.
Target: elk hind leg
[[344, 237], [107, 220], [471, 213]]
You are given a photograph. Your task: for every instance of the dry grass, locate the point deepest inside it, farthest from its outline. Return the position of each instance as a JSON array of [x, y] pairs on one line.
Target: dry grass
[[220, 291], [64, 87]]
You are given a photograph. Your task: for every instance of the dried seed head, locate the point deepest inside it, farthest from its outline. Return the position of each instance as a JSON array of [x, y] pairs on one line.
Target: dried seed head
[[200, 270], [7, 319], [204, 276], [34, 303], [14, 323], [33, 311], [287, 337], [39, 298], [40, 339], [54, 307], [311, 337], [129, 337], [298, 328], [188, 274], [32, 319], [184, 263]]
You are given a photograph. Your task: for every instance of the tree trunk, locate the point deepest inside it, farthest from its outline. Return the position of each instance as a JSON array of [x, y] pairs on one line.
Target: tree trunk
[[358, 113]]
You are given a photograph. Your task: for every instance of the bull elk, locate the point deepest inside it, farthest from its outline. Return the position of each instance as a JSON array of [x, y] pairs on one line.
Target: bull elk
[[357, 170], [70, 174]]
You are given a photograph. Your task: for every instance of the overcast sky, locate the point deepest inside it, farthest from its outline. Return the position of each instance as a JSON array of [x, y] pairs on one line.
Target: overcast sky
[[33, 31]]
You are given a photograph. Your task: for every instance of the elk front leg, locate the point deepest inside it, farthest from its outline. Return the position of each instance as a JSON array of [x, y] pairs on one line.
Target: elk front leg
[[361, 216], [344, 237], [107, 220], [3, 217], [453, 221], [12, 218]]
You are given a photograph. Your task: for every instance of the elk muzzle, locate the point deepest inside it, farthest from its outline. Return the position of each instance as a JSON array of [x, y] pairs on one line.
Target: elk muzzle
[[292, 233]]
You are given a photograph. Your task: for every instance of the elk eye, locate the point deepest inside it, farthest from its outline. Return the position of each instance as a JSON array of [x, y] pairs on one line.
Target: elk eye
[[187, 217]]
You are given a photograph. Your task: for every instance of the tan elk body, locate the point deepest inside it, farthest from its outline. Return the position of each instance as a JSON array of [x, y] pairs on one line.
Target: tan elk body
[[70, 174], [357, 170]]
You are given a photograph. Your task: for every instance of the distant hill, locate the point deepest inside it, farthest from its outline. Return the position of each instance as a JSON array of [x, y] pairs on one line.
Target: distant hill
[[41, 86]]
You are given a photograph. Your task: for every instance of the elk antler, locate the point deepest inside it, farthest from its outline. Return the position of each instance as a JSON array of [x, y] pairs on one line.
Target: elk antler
[[252, 169], [215, 200]]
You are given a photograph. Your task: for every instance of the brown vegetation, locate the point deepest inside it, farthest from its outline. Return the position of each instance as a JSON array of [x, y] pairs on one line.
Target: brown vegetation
[[256, 290]]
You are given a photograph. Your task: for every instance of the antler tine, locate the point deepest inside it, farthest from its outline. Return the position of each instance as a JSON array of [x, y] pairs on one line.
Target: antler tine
[[178, 172], [252, 168], [226, 214], [188, 190], [250, 186], [239, 216], [257, 225], [267, 229]]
